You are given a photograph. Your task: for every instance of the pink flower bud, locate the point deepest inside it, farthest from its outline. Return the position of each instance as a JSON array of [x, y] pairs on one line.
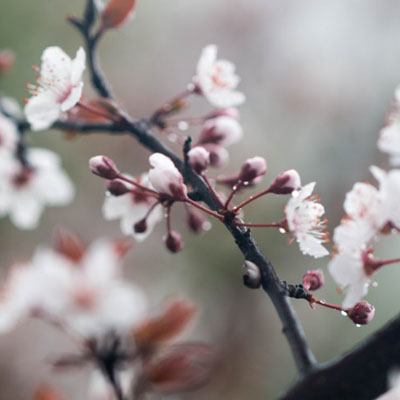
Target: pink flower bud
[[218, 155], [286, 182], [253, 168], [117, 187], [362, 313], [196, 221], [173, 241], [116, 13], [313, 279], [103, 167], [223, 131], [199, 159], [140, 226], [252, 276], [165, 177], [224, 112]]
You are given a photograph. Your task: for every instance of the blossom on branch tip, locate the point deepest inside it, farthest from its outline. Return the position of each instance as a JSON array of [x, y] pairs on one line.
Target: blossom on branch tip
[[216, 79], [313, 279], [303, 216], [165, 177], [25, 190], [58, 89], [134, 207]]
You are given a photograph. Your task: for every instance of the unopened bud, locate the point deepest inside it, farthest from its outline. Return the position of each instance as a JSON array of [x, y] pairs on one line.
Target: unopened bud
[[104, 167], [140, 226], [173, 241], [362, 313], [252, 276], [218, 155], [225, 112], [253, 168], [117, 187], [313, 279], [116, 13], [196, 221], [199, 159], [7, 59], [286, 182], [69, 245], [223, 131]]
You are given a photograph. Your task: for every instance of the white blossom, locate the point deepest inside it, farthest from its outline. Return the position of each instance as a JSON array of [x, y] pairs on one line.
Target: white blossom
[[389, 141], [132, 207], [347, 269], [25, 191], [165, 177], [88, 295], [8, 135], [217, 80], [303, 215], [58, 89]]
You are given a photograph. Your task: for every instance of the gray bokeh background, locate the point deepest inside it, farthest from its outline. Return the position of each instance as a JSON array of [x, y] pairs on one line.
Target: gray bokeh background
[[319, 77]]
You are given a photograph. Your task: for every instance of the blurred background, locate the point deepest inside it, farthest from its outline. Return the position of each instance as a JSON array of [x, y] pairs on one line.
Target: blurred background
[[319, 77]]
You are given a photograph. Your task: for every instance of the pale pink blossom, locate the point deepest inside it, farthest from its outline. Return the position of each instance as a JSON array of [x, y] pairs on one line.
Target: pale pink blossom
[[303, 215], [132, 207], [8, 135], [389, 194], [58, 89], [389, 140], [88, 295], [165, 177], [25, 191], [349, 272], [252, 169], [286, 182], [216, 79]]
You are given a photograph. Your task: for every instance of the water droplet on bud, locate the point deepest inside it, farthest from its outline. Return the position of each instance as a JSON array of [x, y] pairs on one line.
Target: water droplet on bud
[[322, 301], [281, 230], [374, 284], [344, 313], [246, 183], [207, 225], [358, 325]]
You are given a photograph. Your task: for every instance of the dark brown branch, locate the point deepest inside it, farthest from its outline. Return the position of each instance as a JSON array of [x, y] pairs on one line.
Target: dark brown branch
[[360, 374]]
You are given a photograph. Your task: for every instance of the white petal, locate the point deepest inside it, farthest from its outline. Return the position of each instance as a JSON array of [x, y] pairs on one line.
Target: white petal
[[78, 66], [42, 111], [26, 211], [73, 97]]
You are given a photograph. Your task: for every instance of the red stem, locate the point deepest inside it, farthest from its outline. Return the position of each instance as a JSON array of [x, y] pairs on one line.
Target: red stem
[[151, 192], [212, 190], [329, 305], [206, 210], [251, 225], [250, 199], [166, 107], [236, 187]]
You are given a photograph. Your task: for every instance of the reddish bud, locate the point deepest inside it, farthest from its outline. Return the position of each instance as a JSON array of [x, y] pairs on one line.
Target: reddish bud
[[184, 367], [286, 182], [199, 159], [167, 326], [313, 279], [173, 241], [196, 221], [140, 226], [7, 59], [46, 392], [116, 13], [69, 245], [253, 168], [104, 167], [362, 313], [224, 112], [117, 187]]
